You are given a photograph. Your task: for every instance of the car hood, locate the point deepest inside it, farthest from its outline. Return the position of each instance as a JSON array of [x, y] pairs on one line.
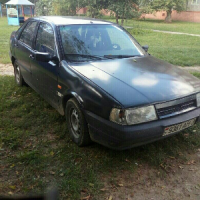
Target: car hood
[[139, 81]]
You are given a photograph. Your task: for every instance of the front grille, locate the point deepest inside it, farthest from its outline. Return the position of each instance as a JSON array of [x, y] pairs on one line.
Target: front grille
[[176, 107]]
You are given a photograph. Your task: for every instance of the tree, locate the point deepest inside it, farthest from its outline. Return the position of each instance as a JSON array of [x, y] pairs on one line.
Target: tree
[[123, 9], [149, 6], [3, 1], [95, 6], [58, 7]]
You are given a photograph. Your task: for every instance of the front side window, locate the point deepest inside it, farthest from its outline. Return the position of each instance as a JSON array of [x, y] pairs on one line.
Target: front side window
[[98, 40], [28, 33], [45, 39]]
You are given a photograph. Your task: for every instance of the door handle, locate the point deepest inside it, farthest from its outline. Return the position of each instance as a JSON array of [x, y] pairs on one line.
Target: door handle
[[31, 56]]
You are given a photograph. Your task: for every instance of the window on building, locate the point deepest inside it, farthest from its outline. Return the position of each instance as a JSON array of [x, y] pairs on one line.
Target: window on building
[[195, 2]]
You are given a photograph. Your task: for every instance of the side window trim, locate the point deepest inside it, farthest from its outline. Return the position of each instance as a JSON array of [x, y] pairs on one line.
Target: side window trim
[[23, 27], [36, 27]]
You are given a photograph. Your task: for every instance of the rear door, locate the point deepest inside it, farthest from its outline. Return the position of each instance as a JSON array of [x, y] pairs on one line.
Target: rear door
[[23, 49], [45, 74]]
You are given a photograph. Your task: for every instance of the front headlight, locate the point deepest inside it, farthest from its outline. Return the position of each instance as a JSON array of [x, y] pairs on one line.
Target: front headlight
[[198, 100], [133, 116], [118, 116]]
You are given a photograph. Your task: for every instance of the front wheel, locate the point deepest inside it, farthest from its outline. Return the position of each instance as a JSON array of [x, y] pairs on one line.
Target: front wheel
[[18, 76], [76, 123]]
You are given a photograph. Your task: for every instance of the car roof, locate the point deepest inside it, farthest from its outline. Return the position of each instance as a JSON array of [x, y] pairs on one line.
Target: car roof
[[61, 20]]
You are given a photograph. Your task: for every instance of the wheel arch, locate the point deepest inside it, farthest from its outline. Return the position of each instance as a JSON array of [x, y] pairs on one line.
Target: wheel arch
[[69, 96]]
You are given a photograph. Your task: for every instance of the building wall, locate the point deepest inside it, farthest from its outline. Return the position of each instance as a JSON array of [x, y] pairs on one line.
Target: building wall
[[189, 16], [193, 5], [82, 11]]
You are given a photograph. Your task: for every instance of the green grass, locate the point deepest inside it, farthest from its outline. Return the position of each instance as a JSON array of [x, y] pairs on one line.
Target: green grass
[[179, 50], [197, 74], [175, 26], [5, 32], [36, 152]]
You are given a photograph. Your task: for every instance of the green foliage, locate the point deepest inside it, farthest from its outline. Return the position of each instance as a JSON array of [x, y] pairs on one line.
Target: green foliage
[[55, 7], [69, 7], [93, 12], [120, 9], [43, 7], [148, 6], [168, 5], [123, 9], [197, 74], [3, 1], [95, 6]]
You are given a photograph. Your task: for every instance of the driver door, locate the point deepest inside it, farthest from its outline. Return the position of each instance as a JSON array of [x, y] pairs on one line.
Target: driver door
[[45, 74]]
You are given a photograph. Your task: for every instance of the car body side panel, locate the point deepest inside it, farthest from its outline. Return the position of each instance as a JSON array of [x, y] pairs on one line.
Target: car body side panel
[[22, 53], [91, 97], [45, 79]]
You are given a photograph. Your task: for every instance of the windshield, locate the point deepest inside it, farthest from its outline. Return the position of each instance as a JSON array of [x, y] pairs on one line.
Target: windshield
[[88, 42]]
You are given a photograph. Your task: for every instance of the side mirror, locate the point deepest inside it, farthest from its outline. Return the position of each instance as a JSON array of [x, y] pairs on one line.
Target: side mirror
[[145, 47], [45, 57]]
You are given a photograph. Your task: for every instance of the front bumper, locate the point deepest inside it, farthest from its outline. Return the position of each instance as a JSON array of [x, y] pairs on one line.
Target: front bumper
[[124, 137]]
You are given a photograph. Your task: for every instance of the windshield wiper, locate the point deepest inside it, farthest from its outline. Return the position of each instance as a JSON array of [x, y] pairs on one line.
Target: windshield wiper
[[118, 56], [87, 56]]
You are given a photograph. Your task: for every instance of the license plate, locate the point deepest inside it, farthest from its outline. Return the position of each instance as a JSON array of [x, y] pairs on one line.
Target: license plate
[[178, 127]]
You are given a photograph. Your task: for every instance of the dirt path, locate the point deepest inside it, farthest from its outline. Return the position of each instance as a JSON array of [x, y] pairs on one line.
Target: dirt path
[[179, 181], [177, 33], [6, 69], [192, 69]]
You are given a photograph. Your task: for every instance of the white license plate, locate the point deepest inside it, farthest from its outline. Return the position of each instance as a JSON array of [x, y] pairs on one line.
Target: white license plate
[[178, 127]]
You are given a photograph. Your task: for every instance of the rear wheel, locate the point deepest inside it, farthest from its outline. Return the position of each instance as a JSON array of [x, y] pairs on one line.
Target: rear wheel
[[76, 123], [18, 76]]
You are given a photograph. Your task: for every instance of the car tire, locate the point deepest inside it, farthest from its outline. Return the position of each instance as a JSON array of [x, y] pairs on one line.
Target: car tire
[[76, 123], [18, 76]]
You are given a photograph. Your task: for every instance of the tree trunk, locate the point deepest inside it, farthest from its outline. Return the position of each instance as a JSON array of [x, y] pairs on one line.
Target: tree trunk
[[168, 19], [122, 21], [93, 15], [117, 18]]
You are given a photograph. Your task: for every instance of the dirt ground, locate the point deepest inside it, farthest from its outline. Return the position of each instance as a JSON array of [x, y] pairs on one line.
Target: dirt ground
[[6, 69], [180, 180]]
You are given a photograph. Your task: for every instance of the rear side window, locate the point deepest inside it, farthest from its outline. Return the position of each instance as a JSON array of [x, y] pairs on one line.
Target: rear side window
[[45, 39], [28, 33]]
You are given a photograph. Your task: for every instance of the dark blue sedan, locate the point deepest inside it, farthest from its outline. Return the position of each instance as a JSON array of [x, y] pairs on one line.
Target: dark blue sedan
[[108, 87]]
